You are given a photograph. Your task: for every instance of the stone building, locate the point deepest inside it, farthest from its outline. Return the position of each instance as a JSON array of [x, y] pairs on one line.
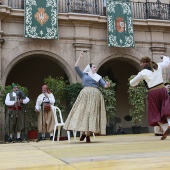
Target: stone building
[[28, 61]]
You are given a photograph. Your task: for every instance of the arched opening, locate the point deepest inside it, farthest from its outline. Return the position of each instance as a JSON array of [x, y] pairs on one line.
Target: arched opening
[[31, 71], [119, 70]]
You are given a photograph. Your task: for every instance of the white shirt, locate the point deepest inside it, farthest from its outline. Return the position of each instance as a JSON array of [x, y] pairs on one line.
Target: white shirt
[[152, 78], [11, 103], [42, 98]]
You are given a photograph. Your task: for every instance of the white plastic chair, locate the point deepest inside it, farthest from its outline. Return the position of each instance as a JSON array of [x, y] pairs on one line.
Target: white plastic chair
[[58, 124]]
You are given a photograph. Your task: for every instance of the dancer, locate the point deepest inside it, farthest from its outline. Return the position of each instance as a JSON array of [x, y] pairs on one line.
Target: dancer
[[157, 129], [45, 114], [88, 113], [158, 99]]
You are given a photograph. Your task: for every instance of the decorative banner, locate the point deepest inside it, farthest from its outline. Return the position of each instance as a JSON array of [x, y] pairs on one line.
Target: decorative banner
[[120, 24], [41, 19]]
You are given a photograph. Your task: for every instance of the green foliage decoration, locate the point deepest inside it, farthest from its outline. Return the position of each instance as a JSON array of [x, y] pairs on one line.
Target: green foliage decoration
[[57, 86], [31, 117], [72, 92], [137, 101], [110, 100]]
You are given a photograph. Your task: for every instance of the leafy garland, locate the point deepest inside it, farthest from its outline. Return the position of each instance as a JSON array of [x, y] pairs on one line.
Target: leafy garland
[[110, 100], [137, 98]]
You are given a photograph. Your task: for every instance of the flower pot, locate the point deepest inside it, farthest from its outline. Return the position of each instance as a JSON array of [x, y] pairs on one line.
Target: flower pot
[[136, 129], [32, 134], [109, 130]]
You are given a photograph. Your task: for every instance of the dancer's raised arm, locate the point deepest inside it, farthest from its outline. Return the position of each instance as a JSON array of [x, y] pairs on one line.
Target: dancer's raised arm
[[79, 58]]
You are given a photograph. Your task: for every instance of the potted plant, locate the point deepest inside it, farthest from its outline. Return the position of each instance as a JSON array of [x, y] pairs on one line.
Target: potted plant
[[31, 121], [137, 98], [110, 105]]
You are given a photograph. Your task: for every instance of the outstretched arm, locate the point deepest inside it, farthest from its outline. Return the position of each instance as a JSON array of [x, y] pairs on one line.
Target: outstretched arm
[[79, 58]]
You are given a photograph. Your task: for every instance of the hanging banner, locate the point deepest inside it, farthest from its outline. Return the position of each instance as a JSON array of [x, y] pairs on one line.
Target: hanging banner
[[120, 24], [41, 19]]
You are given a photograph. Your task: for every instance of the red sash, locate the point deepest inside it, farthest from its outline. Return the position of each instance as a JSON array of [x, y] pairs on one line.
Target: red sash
[[14, 107]]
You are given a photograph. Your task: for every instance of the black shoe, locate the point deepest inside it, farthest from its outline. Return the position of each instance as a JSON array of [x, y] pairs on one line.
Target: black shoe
[[10, 140], [51, 138], [19, 140], [83, 136], [41, 138]]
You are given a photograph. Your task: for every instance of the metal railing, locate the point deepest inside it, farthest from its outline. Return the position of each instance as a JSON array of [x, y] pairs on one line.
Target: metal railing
[[141, 10]]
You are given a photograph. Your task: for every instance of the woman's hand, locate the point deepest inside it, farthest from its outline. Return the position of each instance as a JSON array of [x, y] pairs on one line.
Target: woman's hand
[[107, 84], [81, 54], [78, 60]]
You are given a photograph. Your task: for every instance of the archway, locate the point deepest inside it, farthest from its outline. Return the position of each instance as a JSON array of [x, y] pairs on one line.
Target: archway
[[119, 70], [30, 72]]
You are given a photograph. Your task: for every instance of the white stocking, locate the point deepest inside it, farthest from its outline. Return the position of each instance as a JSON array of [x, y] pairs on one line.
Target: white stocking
[[168, 120], [18, 135], [163, 126]]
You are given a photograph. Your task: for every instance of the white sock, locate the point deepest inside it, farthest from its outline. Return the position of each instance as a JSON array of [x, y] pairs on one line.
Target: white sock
[[168, 120], [10, 135], [51, 134], [163, 126], [43, 135], [18, 134]]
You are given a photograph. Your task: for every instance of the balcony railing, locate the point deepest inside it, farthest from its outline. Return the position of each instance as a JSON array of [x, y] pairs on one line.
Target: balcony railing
[[141, 10]]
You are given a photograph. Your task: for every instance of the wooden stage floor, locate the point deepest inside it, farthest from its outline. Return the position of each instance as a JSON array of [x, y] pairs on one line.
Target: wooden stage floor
[[117, 152]]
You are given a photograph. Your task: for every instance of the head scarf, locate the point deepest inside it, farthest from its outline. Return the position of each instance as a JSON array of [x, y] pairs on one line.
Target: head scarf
[[45, 87], [94, 76]]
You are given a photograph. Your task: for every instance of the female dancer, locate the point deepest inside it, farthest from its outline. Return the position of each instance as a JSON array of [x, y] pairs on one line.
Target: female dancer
[[88, 113], [158, 99]]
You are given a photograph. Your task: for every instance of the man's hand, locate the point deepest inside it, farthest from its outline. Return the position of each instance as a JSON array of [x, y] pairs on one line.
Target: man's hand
[[36, 110], [162, 56], [21, 100]]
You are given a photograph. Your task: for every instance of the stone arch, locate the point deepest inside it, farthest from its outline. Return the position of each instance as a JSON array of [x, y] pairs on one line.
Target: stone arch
[[127, 54], [119, 65], [64, 65]]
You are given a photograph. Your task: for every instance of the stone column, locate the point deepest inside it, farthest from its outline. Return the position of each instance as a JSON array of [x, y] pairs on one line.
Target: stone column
[[2, 115]]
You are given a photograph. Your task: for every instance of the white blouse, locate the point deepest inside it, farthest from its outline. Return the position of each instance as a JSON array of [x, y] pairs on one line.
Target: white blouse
[[152, 78]]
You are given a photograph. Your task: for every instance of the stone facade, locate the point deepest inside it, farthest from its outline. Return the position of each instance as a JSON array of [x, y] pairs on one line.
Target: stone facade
[[78, 32]]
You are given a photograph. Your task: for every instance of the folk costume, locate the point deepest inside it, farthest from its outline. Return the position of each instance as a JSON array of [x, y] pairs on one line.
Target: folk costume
[[14, 117], [158, 99], [88, 112], [43, 106]]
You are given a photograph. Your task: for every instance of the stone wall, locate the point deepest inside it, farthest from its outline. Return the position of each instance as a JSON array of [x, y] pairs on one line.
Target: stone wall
[[79, 32]]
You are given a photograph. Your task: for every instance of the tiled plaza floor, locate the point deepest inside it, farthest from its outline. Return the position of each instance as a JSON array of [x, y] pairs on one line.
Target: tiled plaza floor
[[117, 152]]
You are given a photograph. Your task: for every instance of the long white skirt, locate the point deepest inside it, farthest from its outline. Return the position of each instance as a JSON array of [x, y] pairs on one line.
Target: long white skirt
[[88, 112]]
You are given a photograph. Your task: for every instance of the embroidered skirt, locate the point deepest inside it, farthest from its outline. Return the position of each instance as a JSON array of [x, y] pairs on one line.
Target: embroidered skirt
[[158, 106], [88, 112]]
